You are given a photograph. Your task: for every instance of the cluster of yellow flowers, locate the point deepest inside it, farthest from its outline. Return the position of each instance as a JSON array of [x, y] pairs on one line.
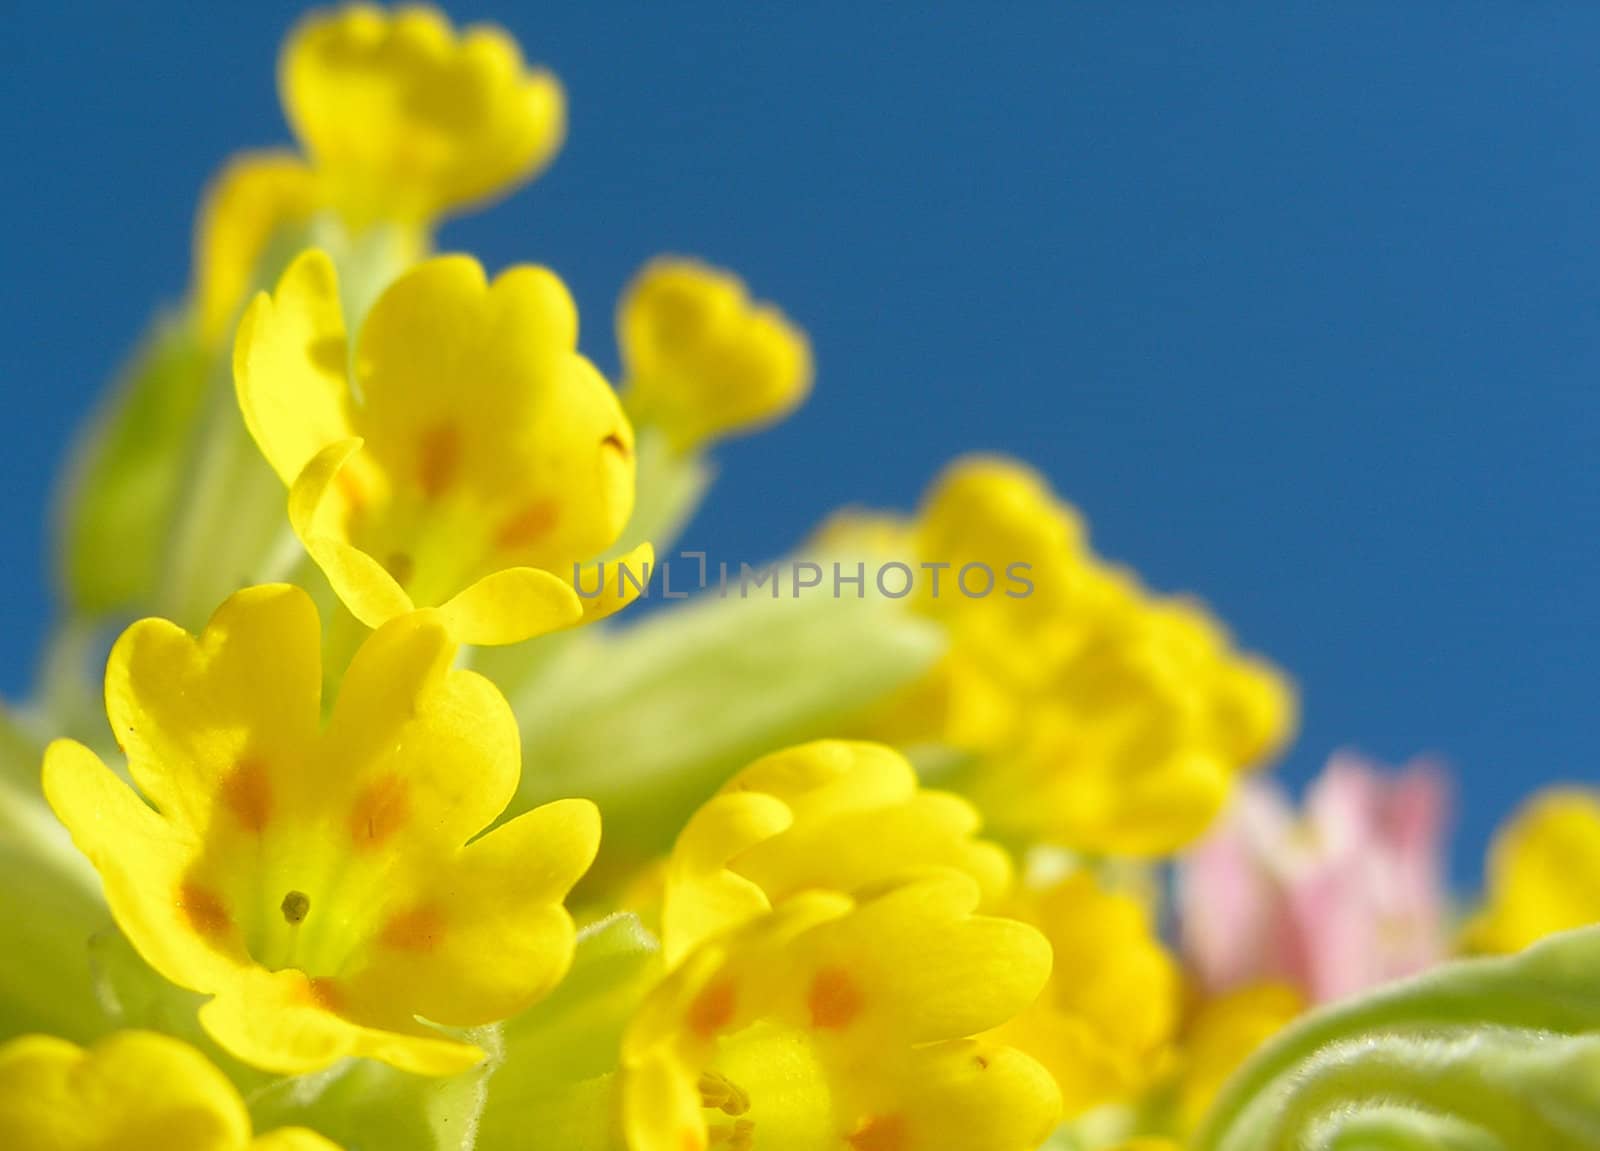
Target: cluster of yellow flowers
[[1095, 715], [338, 905]]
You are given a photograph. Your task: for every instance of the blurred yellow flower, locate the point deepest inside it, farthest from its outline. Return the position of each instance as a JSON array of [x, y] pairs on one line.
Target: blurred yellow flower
[[1099, 716], [1543, 873], [1221, 1034], [313, 879], [403, 118], [256, 196], [830, 815], [700, 360], [1106, 1024], [1136, 743], [841, 1025], [471, 461], [132, 1091]]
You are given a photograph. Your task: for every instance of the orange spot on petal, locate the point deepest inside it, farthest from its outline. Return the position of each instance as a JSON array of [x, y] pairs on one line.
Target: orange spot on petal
[[438, 459], [382, 808], [204, 909], [528, 526], [713, 1008], [416, 930], [835, 999], [247, 793], [323, 992], [880, 1133]]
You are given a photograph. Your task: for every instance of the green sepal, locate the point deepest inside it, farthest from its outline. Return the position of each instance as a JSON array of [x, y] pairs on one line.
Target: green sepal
[[366, 1106], [50, 905], [125, 478], [557, 1085], [1478, 1054], [671, 486]]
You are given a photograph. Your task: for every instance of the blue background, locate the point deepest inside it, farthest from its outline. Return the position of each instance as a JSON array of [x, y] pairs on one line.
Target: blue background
[[1298, 303]]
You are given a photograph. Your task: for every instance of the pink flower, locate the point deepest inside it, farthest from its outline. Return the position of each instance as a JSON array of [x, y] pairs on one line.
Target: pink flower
[[1334, 902]]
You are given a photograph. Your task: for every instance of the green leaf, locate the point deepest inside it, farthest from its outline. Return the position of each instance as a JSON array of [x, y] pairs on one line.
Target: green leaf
[[1480, 1054]]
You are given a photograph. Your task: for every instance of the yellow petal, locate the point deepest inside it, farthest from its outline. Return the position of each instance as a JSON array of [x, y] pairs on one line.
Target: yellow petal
[[661, 1107], [511, 605], [702, 897], [995, 511], [487, 936], [133, 1091], [257, 197], [1543, 872], [925, 968], [1225, 1032], [275, 1021], [967, 1095], [445, 738], [826, 777], [701, 360], [856, 850], [289, 366], [141, 861], [609, 586], [407, 119], [860, 820], [318, 510], [1105, 1025], [189, 710]]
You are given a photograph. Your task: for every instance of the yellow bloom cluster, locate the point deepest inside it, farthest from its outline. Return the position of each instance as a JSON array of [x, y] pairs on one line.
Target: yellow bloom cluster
[[468, 462], [402, 120], [1103, 718], [322, 897], [829, 979]]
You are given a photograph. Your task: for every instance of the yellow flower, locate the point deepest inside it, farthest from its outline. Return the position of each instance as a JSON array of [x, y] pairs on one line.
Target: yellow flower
[[402, 120], [700, 360], [470, 463], [1543, 872], [830, 815], [1106, 1023], [835, 1024], [132, 1091], [256, 196], [1136, 743], [1100, 717], [1225, 1031], [313, 878], [405, 119]]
